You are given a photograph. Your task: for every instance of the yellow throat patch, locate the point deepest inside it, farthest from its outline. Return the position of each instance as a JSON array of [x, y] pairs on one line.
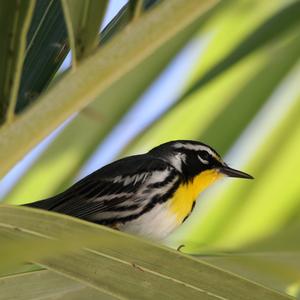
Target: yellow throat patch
[[182, 202]]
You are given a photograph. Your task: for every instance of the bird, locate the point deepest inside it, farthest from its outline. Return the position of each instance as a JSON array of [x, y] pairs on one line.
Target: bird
[[148, 195]]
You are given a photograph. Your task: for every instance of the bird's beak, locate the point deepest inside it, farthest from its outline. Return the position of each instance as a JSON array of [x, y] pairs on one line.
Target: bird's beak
[[234, 173]]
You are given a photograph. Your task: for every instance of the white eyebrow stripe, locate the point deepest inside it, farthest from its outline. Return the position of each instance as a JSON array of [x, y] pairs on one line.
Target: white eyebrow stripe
[[196, 148]]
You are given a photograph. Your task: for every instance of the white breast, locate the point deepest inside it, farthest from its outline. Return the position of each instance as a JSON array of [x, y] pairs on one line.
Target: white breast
[[156, 224]]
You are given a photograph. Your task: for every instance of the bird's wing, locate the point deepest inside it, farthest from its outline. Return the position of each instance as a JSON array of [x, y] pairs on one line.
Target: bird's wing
[[116, 191]]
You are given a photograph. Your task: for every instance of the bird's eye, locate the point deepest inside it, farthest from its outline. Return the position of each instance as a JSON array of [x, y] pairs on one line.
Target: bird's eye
[[204, 155]]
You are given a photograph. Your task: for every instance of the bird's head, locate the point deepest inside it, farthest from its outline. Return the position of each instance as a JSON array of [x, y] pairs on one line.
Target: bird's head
[[193, 158]]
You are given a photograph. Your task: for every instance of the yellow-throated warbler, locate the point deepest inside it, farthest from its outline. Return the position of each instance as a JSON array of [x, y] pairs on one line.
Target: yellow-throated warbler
[[149, 194]]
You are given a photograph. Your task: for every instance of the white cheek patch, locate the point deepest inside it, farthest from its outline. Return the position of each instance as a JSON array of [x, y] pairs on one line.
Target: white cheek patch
[[177, 160], [204, 161]]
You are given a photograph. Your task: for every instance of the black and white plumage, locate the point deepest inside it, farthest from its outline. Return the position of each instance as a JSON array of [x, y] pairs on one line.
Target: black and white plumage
[[135, 193]]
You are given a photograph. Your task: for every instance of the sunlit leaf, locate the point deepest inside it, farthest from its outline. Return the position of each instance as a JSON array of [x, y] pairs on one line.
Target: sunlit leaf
[[274, 270], [119, 264], [43, 285]]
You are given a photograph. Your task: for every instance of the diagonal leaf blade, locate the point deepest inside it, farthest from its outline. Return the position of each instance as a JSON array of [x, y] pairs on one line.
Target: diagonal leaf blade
[[46, 49], [123, 265], [15, 19]]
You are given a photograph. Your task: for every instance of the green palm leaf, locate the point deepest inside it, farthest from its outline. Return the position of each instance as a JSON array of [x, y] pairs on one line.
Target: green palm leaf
[[98, 254]]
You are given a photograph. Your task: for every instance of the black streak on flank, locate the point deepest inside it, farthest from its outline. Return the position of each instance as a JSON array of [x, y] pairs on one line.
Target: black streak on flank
[[192, 208], [158, 199]]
